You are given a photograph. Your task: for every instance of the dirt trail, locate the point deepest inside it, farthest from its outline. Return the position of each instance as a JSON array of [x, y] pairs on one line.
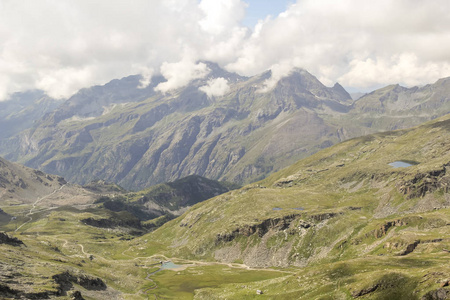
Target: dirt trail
[[211, 263], [34, 207]]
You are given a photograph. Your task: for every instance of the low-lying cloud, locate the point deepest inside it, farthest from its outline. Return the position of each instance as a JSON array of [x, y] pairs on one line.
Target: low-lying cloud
[[62, 46], [215, 87], [179, 74]]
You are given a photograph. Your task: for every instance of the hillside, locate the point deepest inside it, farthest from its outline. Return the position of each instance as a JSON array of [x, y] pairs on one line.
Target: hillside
[[341, 224], [344, 211], [138, 137], [161, 202], [174, 197], [20, 185]]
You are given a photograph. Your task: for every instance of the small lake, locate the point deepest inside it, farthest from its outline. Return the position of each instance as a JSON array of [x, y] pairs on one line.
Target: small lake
[[402, 164], [169, 265], [279, 208]]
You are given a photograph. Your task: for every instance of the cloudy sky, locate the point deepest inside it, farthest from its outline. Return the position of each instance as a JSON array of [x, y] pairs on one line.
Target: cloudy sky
[[61, 46]]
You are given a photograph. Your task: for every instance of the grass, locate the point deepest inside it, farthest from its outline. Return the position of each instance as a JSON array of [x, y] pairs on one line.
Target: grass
[[175, 284]]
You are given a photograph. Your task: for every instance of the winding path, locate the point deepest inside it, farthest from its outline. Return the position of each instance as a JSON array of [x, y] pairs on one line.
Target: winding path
[[34, 207]]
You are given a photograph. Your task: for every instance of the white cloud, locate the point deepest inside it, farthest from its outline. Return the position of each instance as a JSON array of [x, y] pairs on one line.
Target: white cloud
[[61, 45], [218, 18], [406, 41], [179, 74], [146, 74], [216, 87]]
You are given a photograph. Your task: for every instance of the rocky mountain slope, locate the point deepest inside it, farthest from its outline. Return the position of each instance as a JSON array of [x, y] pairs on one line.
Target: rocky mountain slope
[[20, 185], [138, 137], [162, 202], [174, 197], [21, 110]]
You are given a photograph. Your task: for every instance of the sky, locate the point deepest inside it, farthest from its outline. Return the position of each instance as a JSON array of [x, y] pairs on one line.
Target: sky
[[260, 9], [60, 46]]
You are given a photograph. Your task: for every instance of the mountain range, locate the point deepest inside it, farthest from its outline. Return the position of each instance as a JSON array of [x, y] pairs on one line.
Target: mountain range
[[137, 137]]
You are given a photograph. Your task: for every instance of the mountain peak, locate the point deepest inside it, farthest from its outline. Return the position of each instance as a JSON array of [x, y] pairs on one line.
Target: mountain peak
[[339, 89], [216, 71]]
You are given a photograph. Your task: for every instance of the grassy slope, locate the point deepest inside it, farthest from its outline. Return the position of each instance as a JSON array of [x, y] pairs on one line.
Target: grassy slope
[[354, 181]]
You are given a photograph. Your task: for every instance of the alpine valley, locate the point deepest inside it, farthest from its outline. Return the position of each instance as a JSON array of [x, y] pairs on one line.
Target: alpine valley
[[290, 192]]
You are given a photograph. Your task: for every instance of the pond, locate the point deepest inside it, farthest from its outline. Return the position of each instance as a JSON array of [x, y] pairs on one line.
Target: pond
[[166, 265], [169, 265], [297, 208], [402, 164]]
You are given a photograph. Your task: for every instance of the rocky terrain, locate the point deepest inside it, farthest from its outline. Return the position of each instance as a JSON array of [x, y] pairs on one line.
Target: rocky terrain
[[21, 110], [20, 185], [138, 137]]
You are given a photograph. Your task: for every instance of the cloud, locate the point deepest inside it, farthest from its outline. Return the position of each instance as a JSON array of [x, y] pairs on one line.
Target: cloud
[[217, 19], [216, 87], [61, 45], [146, 74], [179, 74], [407, 41]]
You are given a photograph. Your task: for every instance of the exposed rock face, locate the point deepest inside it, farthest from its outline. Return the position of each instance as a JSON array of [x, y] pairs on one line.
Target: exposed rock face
[[382, 231], [65, 281], [424, 183], [439, 294], [365, 291], [6, 239], [277, 224], [76, 295]]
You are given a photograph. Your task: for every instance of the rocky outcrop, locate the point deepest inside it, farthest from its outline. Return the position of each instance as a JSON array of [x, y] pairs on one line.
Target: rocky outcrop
[[260, 229], [428, 182], [7, 292], [66, 280], [365, 291], [76, 295], [410, 248], [6, 239], [439, 294], [384, 228], [112, 223], [324, 216]]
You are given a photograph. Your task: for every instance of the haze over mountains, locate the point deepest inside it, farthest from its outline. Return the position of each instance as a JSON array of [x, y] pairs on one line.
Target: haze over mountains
[[235, 131]]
